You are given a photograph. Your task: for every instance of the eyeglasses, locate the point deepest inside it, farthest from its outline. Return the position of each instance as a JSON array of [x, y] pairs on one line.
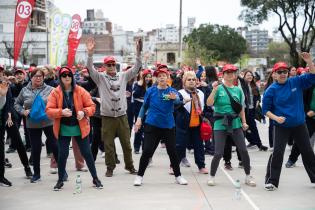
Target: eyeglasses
[[38, 76], [65, 75], [191, 79], [282, 72], [111, 65]]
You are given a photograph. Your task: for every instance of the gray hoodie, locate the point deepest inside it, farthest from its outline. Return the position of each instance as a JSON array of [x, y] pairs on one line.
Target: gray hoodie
[[112, 90], [25, 101]]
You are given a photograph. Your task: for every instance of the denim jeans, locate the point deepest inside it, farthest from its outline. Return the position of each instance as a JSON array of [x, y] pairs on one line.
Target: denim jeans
[[84, 146]]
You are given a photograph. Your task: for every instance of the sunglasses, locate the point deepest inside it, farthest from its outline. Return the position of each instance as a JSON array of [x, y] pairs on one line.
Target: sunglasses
[[66, 75], [190, 79], [111, 65], [282, 72]]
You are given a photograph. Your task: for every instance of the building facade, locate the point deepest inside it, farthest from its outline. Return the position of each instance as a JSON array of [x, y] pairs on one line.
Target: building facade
[[258, 41]]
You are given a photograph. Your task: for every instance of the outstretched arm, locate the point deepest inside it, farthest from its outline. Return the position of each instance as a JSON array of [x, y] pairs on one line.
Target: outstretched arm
[[131, 73], [90, 46]]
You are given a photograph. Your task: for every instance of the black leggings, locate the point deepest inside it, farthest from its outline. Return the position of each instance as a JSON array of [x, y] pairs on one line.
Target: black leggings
[[152, 137], [295, 152], [282, 135], [36, 142]]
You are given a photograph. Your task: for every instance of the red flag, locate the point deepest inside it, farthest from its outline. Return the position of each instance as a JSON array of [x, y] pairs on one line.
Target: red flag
[[74, 38], [23, 13]]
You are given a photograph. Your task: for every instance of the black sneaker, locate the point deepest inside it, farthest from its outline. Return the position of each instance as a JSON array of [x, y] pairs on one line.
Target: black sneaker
[[5, 182], [7, 164], [228, 166], [109, 173], [35, 179], [263, 148], [10, 150], [58, 186], [28, 172], [97, 183]]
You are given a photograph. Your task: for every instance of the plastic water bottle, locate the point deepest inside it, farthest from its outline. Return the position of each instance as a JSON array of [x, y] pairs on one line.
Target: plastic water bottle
[[78, 185], [237, 185]]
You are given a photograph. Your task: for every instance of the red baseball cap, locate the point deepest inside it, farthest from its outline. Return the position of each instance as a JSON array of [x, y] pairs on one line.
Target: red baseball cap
[[65, 69], [146, 72], [20, 70], [109, 59], [161, 69], [229, 67], [280, 65]]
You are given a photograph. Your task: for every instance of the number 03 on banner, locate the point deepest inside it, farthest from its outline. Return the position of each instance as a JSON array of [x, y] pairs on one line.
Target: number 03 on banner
[[24, 9]]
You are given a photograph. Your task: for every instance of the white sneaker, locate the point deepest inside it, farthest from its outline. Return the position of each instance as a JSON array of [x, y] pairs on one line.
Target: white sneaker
[[53, 171], [270, 187], [249, 180], [211, 181], [138, 181], [181, 180], [103, 155]]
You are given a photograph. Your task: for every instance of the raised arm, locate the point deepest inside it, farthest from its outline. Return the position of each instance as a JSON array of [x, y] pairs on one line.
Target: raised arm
[[90, 46], [200, 68], [308, 59], [131, 73]]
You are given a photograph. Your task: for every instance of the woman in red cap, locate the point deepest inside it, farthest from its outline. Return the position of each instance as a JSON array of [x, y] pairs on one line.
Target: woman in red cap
[[283, 103], [228, 121], [71, 106], [159, 101]]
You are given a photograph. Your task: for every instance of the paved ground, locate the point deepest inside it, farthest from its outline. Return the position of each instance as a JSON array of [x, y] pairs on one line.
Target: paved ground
[[159, 192]]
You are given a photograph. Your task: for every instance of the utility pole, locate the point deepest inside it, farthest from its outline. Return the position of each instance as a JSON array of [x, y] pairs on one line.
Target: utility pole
[[180, 34]]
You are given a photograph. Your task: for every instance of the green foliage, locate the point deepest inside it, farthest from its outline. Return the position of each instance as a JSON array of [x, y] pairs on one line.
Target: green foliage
[[278, 51], [290, 14], [211, 43]]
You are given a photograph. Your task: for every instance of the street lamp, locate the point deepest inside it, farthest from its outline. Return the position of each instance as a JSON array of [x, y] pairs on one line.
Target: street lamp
[[180, 34]]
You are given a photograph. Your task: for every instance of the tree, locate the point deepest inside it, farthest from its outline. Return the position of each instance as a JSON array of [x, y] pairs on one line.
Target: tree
[[214, 42], [289, 13], [9, 48], [278, 51]]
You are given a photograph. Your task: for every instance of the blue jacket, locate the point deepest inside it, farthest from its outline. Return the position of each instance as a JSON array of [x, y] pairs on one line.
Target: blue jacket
[[160, 110], [286, 99]]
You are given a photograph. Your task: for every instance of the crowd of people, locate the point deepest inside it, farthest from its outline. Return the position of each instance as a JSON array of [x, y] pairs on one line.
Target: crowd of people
[[91, 107]]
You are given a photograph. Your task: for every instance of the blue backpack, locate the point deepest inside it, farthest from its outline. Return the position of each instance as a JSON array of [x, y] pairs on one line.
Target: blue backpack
[[38, 113]]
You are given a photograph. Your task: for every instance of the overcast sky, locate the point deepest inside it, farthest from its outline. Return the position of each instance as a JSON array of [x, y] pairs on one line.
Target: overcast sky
[[150, 14]]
